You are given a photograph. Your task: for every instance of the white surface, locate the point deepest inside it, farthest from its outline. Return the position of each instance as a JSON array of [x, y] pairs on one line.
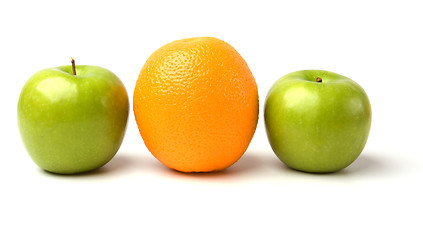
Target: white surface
[[376, 43]]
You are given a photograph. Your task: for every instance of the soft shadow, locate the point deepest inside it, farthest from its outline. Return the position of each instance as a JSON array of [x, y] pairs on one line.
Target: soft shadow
[[123, 163], [251, 163], [248, 163], [119, 164], [366, 163]]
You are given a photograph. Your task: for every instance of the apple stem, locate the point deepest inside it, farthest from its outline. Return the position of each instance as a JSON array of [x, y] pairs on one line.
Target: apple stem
[[318, 79], [73, 66]]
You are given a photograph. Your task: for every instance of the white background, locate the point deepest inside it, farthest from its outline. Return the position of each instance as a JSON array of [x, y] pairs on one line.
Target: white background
[[376, 43]]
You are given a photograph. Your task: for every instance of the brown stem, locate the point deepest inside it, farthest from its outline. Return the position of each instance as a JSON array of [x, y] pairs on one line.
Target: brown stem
[[318, 79], [73, 66]]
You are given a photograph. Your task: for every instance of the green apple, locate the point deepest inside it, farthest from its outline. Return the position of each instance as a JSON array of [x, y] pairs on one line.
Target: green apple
[[317, 121], [72, 119]]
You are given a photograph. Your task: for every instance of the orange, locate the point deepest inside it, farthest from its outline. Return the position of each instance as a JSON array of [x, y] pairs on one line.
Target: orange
[[196, 104]]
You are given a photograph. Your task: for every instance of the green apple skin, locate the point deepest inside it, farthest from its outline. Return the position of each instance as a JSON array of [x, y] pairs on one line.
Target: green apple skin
[[72, 123], [317, 126]]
